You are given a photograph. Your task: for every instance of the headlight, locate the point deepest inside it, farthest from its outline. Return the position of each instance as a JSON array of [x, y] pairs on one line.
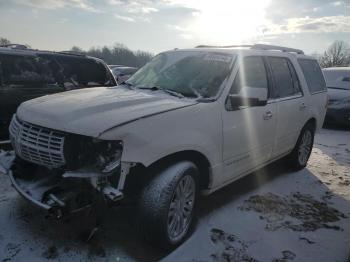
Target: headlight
[[108, 155]]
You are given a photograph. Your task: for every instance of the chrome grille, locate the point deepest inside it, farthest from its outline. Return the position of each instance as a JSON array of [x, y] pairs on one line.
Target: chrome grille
[[37, 144]]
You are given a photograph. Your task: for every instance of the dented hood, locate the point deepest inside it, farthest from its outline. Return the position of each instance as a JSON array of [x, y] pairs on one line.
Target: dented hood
[[92, 111]]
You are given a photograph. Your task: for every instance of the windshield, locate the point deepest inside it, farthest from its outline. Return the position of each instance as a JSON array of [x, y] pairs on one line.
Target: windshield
[[192, 74]]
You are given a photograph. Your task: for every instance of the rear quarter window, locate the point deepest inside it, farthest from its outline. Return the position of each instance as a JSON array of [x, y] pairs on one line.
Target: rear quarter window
[[313, 75]]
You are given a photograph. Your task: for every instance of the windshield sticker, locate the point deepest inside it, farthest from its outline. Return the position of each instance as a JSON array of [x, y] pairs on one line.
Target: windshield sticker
[[219, 58]]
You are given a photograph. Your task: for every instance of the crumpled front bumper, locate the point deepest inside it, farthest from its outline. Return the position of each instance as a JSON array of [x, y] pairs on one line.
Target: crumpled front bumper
[[58, 192], [6, 162], [26, 195], [48, 191]]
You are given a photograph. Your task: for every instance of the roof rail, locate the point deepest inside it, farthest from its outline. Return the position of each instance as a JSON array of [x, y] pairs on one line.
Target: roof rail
[[69, 52], [276, 47], [258, 47], [223, 46], [15, 46]]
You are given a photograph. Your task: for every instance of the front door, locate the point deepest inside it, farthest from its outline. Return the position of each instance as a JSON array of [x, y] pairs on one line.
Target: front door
[[248, 132]]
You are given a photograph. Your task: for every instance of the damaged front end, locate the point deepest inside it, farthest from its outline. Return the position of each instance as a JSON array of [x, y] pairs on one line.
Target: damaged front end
[[63, 172]]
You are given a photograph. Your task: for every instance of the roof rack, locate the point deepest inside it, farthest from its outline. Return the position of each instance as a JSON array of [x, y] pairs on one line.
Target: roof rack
[[276, 47], [259, 47], [222, 46], [15, 46], [69, 52]]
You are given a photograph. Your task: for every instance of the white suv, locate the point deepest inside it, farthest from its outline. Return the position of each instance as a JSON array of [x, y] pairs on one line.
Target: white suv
[[189, 121]]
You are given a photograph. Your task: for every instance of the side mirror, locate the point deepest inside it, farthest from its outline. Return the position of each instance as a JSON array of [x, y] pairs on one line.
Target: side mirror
[[249, 96]]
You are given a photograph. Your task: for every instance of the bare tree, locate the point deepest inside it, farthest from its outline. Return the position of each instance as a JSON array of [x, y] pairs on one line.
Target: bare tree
[[338, 54], [117, 54], [4, 41], [77, 49]]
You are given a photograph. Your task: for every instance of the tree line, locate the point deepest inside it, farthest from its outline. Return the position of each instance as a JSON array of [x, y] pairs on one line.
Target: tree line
[[337, 54], [118, 54]]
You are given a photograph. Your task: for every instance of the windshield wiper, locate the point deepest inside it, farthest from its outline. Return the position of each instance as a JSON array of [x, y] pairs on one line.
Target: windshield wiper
[[127, 84], [157, 88]]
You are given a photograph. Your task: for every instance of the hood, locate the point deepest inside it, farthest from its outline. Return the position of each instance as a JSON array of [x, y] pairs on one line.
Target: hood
[[92, 111]]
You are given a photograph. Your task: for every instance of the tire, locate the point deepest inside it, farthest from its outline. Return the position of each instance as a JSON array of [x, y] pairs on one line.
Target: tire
[[163, 199], [300, 155]]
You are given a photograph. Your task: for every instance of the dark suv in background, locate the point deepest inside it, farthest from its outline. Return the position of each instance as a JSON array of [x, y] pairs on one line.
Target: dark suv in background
[[26, 74]]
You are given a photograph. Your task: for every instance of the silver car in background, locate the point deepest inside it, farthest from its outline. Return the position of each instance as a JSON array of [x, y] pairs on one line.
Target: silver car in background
[[123, 73], [338, 85]]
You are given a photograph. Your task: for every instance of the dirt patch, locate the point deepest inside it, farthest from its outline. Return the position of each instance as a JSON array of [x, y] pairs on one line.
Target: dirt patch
[[230, 247], [286, 256], [296, 211], [344, 183], [51, 253], [11, 251]]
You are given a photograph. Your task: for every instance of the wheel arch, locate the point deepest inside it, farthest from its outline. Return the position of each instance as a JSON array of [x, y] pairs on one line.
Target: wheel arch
[[313, 122], [198, 158]]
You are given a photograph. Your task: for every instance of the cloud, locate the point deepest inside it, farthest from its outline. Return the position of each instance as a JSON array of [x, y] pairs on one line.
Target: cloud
[[136, 6], [280, 10], [56, 4], [327, 24], [148, 10], [124, 18], [63, 20]]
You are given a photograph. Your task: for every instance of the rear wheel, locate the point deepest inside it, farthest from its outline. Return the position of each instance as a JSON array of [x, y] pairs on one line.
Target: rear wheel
[[167, 205], [300, 155]]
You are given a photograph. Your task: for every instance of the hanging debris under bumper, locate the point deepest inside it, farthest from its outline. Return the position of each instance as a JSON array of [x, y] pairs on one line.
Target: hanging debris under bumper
[[63, 192]]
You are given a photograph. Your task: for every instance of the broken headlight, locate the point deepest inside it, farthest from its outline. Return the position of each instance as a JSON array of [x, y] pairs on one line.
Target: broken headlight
[[86, 152], [107, 155]]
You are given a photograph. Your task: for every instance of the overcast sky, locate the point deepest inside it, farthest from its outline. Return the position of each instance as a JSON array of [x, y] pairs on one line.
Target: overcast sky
[[158, 25]]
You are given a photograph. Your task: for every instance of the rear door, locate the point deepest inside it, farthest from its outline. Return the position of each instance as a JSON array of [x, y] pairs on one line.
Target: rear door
[[291, 104], [317, 88], [248, 132]]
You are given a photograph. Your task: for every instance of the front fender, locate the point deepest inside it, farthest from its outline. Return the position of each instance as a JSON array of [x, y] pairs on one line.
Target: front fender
[[148, 140]]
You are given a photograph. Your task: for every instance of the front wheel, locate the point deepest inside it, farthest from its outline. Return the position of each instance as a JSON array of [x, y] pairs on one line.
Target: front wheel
[[167, 204], [300, 155]]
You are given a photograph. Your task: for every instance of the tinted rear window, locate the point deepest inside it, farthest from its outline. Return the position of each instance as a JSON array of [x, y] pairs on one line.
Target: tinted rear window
[[283, 77], [18, 70], [313, 75]]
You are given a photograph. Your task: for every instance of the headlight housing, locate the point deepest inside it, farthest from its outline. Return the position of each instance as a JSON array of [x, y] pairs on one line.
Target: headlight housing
[[107, 155], [96, 154]]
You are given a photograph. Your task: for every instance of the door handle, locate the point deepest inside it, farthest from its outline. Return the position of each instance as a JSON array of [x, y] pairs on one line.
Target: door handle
[[267, 115], [302, 106]]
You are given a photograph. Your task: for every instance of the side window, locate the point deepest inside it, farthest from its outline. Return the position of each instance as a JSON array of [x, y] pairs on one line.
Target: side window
[[313, 75], [23, 71], [251, 73], [296, 83], [286, 82]]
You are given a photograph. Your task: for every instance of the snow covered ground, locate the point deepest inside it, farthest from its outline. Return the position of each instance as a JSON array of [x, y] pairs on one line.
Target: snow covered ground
[[271, 215]]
